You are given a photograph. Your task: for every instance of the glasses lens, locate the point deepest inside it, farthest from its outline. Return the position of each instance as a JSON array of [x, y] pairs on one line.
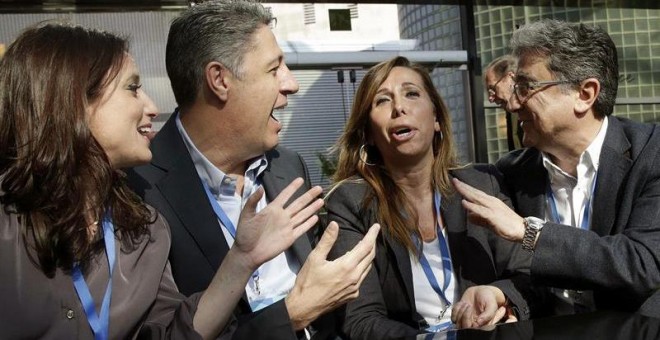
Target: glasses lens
[[522, 89]]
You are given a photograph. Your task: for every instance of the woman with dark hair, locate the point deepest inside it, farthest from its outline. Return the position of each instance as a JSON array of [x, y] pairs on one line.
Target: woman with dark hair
[[81, 256], [396, 159]]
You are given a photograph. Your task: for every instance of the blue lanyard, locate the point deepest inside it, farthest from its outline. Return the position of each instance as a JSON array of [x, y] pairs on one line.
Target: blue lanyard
[[446, 259], [586, 216], [224, 219], [98, 323]]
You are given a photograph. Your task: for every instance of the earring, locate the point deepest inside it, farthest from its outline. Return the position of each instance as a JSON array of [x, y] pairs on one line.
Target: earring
[[366, 157]]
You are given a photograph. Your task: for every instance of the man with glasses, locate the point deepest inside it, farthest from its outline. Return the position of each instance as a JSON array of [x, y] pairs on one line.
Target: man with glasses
[[586, 189], [498, 78]]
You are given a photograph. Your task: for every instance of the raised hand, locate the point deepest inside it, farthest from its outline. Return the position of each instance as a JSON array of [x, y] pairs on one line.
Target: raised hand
[[323, 285], [262, 236], [489, 211]]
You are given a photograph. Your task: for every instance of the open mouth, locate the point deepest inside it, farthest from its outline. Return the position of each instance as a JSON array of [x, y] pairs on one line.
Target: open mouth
[[272, 116], [146, 131], [400, 132]]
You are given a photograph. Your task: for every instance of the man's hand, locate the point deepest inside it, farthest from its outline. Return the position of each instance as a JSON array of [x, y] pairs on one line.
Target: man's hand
[[480, 306], [264, 235], [489, 211], [323, 285]]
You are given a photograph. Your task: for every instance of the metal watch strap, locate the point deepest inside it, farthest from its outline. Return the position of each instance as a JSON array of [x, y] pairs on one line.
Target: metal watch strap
[[533, 226]]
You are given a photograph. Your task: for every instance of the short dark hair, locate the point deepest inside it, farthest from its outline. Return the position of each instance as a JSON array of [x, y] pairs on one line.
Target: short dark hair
[[210, 31]]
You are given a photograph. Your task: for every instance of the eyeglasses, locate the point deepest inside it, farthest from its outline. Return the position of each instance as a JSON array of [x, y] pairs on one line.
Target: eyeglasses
[[491, 88], [525, 89]]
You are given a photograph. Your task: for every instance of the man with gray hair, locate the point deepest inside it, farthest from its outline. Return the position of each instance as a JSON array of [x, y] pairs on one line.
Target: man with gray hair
[[586, 189], [498, 78], [229, 78]]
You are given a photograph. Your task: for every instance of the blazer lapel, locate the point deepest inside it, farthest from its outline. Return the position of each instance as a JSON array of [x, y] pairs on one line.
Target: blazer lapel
[[402, 258], [275, 179], [454, 218], [614, 165], [531, 187], [183, 190]]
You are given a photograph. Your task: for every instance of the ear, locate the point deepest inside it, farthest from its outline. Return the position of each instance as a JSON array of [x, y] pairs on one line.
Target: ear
[[216, 79], [587, 94], [436, 125]]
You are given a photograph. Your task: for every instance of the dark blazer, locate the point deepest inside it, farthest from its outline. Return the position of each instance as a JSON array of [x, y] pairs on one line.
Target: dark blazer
[[385, 308], [619, 258], [171, 185]]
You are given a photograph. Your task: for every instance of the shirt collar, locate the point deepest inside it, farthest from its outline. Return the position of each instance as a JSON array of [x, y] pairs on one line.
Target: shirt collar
[[216, 179], [589, 159]]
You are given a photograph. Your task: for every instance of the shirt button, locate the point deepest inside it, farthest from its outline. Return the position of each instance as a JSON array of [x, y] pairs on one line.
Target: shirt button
[[70, 314]]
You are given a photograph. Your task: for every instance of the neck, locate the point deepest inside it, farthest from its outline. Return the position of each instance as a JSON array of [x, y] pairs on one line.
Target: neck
[[214, 139], [415, 180], [566, 152]]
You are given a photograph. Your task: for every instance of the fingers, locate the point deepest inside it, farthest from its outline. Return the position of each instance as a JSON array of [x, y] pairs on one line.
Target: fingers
[[301, 202], [499, 314], [327, 240], [286, 194], [365, 249], [461, 314], [305, 226]]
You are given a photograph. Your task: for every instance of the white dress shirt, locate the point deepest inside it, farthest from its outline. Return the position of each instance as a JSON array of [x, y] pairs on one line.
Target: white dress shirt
[[572, 196]]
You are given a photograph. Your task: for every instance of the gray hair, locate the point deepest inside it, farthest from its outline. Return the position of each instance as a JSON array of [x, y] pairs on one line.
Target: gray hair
[[501, 66], [573, 52], [219, 31]]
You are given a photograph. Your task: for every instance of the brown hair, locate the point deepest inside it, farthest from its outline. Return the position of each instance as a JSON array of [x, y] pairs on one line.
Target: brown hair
[[54, 174], [394, 210]]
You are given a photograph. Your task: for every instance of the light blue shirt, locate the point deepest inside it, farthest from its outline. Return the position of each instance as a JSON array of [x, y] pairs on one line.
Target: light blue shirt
[[275, 277]]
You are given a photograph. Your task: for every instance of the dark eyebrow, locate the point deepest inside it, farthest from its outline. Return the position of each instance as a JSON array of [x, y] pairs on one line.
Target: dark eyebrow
[[133, 78]]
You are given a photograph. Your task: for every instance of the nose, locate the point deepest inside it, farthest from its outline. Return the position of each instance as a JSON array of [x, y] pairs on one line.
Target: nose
[[288, 83], [150, 108], [398, 108], [491, 97]]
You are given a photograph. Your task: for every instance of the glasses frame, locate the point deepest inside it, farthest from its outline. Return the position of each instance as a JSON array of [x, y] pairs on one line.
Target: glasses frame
[[533, 87], [491, 89]]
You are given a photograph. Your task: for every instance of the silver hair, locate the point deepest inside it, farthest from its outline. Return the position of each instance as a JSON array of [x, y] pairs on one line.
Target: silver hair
[[573, 52], [219, 31]]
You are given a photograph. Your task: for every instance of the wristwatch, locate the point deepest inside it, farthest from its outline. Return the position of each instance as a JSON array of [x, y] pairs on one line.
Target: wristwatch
[[533, 226]]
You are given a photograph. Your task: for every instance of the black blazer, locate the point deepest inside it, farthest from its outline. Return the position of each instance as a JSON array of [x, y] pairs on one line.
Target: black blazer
[[385, 308], [619, 258], [170, 184]]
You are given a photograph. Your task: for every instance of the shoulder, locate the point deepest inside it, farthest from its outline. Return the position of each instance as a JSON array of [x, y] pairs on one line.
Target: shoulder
[[518, 160], [479, 175], [353, 189], [281, 153]]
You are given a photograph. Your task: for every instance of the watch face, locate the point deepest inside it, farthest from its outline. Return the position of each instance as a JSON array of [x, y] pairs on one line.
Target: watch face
[[535, 222]]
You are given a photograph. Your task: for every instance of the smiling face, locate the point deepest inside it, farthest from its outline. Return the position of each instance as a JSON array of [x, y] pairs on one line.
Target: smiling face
[[402, 120], [546, 114], [262, 88], [120, 120]]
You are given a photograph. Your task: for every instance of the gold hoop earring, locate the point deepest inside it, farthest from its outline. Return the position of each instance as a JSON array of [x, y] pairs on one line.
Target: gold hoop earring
[[366, 158]]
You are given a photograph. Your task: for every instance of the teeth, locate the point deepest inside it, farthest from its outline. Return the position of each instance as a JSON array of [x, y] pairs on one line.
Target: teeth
[[144, 130], [402, 131]]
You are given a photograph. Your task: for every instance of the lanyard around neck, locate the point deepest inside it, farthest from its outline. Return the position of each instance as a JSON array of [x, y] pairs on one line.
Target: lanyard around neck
[[229, 225], [446, 258], [98, 323], [586, 215]]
